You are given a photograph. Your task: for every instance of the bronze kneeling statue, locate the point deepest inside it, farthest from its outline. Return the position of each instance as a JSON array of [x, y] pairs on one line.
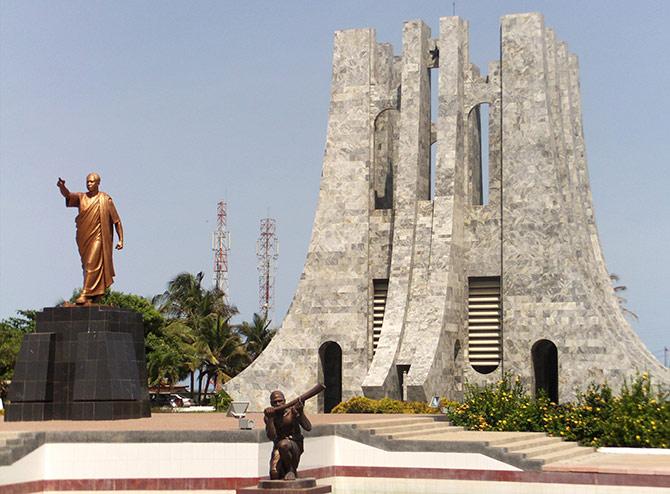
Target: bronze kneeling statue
[[283, 425]]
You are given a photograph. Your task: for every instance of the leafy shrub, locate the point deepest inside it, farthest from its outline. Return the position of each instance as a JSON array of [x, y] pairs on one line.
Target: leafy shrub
[[221, 401], [361, 404], [504, 406], [638, 417]]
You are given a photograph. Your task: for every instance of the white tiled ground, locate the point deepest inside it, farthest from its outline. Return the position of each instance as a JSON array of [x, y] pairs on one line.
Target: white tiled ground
[[352, 453], [219, 460], [192, 460], [357, 485], [152, 460], [27, 469]]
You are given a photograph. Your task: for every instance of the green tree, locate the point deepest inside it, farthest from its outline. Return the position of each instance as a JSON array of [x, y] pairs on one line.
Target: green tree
[[152, 319], [182, 337], [164, 361], [223, 354], [257, 335], [12, 331], [215, 346]]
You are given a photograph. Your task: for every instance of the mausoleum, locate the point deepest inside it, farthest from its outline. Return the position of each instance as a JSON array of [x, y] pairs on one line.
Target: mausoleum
[[425, 270]]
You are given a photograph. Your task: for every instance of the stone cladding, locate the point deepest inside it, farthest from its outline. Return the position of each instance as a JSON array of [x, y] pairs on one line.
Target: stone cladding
[[379, 217]]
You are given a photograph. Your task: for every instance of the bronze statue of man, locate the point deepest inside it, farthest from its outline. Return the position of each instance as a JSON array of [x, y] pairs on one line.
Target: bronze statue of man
[[97, 215], [283, 429]]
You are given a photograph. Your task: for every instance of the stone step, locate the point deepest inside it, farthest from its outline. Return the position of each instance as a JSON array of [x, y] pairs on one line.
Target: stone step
[[371, 424], [566, 454], [445, 435], [390, 429], [587, 457], [16, 445], [424, 434], [529, 443], [519, 437], [546, 449]]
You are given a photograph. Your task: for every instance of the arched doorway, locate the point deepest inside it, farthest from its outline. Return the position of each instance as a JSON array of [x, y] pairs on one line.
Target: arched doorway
[[545, 368], [330, 355]]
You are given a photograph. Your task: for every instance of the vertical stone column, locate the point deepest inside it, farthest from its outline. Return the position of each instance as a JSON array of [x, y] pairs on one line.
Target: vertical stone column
[[555, 282], [411, 183], [331, 301], [436, 305], [531, 201], [439, 314]]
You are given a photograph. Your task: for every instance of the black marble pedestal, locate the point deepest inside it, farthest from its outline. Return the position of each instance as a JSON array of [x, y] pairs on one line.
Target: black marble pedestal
[[82, 363]]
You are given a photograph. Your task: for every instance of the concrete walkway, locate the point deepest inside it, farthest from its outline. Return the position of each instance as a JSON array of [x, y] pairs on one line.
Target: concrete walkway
[[205, 421]]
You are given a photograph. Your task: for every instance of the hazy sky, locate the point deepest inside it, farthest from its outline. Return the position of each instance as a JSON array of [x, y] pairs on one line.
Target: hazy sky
[[181, 104]]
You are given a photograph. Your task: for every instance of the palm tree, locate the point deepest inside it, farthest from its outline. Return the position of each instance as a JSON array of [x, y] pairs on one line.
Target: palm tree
[[257, 334], [199, 310], [618, 291], [183, 338], [182, 297], [222, 352]]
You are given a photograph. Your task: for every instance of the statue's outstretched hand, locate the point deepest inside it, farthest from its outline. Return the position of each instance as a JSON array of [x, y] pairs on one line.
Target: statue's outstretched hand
[[119, 245], [61, 185]]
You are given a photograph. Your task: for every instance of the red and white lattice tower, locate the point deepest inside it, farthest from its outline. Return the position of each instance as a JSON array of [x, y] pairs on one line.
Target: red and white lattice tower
[[267, 252], [221, 247]]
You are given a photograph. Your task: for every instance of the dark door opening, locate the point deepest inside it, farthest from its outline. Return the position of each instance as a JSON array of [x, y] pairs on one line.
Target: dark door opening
[[545, 367], [402, 370], [330, 354]]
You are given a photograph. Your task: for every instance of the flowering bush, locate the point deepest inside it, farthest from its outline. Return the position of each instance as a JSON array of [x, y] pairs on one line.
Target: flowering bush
[[503, 406], [360, 404], [638, 417]]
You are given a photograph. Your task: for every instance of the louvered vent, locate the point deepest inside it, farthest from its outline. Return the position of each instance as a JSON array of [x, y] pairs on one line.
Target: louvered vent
[[484, 342], [381, 288]]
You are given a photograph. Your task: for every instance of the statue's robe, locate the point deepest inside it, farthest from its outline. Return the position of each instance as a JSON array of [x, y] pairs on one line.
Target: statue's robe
[[95, 239]]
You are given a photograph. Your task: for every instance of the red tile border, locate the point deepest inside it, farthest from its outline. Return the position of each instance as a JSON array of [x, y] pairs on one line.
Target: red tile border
[[215, 483]]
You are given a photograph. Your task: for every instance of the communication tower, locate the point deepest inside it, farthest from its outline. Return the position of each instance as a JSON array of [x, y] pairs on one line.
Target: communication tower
[[267, 252], [221, 247]]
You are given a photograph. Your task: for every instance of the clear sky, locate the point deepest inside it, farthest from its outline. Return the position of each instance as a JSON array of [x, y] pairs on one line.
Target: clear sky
[[181, 104]]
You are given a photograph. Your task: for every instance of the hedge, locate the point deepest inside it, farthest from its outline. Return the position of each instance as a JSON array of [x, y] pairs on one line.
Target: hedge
[[638, 417]]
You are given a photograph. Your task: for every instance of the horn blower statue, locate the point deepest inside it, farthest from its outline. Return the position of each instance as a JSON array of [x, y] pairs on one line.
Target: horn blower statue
[[283, 424]]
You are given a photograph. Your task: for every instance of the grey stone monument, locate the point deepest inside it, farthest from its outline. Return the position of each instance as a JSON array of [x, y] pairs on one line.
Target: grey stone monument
[[413, 283]]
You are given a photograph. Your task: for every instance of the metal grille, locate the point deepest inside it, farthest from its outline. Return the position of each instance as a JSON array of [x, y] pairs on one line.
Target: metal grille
[[484, 339], [381, 288]]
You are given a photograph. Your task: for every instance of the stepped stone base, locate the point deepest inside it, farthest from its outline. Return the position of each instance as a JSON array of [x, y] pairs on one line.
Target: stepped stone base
[[82, 363], [298, 486]]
